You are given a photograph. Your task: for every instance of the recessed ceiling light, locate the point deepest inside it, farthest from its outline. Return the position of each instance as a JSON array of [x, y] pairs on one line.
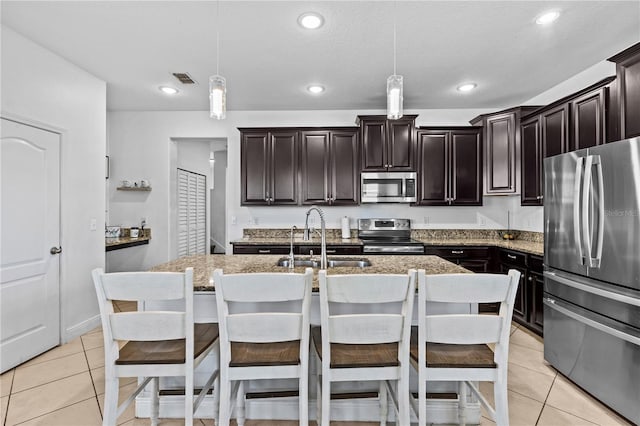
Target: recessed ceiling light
[[310, 20], [315, 89], [467, 87], [547, 17], [168, 90]]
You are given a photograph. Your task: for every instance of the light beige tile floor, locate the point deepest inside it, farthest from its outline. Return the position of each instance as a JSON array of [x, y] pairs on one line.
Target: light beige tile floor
[[65, 387]]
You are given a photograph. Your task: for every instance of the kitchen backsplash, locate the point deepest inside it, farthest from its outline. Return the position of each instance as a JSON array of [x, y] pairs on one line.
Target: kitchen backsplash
[[422, 234]]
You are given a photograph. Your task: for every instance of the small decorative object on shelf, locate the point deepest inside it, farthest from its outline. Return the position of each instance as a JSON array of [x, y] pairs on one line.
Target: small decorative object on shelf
[[134, 188]]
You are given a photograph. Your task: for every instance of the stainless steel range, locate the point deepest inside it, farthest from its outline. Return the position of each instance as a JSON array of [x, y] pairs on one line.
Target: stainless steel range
[[388, 236]]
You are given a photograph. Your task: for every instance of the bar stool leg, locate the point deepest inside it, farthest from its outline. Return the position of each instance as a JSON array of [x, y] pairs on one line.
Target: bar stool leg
[[240, 404], [462, 403], [384, 405], [155, 401]]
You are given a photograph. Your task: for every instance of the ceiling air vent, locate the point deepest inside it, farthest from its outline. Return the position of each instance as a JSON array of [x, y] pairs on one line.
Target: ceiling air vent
[[184, 78]]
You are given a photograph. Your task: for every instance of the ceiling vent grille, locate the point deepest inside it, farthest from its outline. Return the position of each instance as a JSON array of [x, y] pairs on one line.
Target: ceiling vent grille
[[184, 78]]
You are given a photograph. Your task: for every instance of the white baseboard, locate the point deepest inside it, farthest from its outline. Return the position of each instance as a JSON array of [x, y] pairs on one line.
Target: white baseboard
[[81, 328], [438, 411]]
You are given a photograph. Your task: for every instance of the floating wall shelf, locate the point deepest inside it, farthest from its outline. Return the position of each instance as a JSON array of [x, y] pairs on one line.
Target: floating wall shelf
[[133, 188]]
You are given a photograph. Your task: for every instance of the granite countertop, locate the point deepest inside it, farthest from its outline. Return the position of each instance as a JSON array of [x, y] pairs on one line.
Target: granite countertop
[[204, 265], [124, 242]]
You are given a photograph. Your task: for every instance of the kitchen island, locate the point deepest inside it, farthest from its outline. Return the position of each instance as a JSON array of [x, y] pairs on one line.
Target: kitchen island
[[439, 410]]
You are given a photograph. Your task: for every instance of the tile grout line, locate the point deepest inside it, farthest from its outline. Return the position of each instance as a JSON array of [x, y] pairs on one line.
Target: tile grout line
[[93, 383], [6, 414], [51, 412]]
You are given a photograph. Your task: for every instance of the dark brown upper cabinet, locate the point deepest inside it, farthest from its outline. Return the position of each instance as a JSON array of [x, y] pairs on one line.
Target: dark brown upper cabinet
[[387, 145], [531, 189], [269, 167], [502, 150], [329, 167], [449, 165], [628, 95], [589, 121], [577, 121]]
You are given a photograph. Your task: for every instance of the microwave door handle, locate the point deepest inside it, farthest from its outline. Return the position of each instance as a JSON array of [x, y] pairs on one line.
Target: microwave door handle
[[576, 210], [403, 188], [595, 261], [587, 229]]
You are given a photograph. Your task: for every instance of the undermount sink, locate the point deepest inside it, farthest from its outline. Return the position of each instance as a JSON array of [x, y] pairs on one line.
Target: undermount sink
[[348, 263], [331, 263], [286, 262]]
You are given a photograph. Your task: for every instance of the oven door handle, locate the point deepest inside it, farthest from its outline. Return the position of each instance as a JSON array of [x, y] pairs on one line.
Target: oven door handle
[[566, 309]]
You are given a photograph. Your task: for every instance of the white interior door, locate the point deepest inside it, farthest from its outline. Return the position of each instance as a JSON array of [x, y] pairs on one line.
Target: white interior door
[[30, 218], [192, 213]]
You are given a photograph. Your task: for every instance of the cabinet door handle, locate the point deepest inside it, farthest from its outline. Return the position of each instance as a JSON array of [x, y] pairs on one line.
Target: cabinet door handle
[[457, 251], [330, 251], [264, 251], [530, 278], [510, 256]]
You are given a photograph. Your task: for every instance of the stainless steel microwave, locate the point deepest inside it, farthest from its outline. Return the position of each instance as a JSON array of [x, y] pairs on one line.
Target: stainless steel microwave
[[388, 187]]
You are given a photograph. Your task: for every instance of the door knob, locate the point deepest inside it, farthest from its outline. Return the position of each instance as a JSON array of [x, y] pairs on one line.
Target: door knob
[[55, 250]]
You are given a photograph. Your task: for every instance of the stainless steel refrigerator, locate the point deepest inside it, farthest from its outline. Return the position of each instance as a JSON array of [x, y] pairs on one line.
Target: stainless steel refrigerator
[[592, 271]]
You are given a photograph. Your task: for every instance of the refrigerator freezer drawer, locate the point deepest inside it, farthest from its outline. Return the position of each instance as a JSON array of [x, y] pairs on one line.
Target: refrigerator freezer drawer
[[619, 303], [595, 353]]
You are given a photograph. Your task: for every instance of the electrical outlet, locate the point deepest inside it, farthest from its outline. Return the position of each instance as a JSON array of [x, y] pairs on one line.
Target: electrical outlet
[[483, 221], [93, 224], [255, 220], [234, 220], [426, 220]]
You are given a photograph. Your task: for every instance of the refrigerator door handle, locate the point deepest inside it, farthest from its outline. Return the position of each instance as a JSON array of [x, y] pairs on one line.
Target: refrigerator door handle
[[576, 210], [567, 310], [586, 229], [594, 262], [630, 299]]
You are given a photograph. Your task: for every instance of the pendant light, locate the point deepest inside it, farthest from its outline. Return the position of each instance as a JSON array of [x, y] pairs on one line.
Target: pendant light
[[217, 83], [394, 82]]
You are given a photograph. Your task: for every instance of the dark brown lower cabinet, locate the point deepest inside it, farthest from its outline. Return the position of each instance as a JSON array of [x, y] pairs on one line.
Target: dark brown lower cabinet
[[528, 309], [298, 249], [476, 259]]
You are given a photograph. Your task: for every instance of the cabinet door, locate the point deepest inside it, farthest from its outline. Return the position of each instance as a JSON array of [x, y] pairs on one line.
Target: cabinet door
[[589, 122], [260, 249], [433, 162], [520, 304], [254, 168], [500, 154], [554, 127], [284, 168], [536, 307], [531, 164], [628, 75], [374, 146], [314, 167], [466, 169], [400, 144], [344, 170]]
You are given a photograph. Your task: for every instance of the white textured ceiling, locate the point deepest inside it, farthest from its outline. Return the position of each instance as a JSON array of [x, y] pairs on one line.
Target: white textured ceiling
[[269, 60]]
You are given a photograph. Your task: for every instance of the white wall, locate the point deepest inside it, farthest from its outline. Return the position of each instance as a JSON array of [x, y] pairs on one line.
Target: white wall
[[40, 87], [218, 201]]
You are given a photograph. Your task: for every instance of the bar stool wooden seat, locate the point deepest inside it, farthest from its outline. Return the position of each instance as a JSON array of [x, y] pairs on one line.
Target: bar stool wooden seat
[[369, 343], [159, 343], [260, 338], [454, 347]]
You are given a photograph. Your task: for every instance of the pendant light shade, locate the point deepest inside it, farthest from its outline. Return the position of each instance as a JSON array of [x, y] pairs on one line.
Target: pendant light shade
[[394, 97], [217, 97]]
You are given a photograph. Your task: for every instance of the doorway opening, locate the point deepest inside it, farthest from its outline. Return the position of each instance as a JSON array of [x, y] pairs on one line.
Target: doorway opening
[[206, 157]]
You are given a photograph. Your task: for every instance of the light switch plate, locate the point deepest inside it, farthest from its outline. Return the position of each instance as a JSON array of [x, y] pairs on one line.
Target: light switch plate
[[93, 224]]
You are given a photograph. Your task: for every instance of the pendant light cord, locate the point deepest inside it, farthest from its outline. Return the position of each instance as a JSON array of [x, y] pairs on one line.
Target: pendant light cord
[[394, 37], [218, 37]]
